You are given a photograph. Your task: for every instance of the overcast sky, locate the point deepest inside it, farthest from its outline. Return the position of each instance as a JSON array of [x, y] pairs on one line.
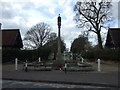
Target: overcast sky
[[24, 14]]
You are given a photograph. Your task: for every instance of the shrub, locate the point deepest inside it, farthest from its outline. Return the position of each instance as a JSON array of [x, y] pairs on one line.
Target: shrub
[[23, 55], [106, 54]]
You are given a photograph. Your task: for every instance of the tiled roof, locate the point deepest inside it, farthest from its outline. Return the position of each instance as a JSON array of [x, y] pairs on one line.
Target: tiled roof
[[11, 37], [113, 37]]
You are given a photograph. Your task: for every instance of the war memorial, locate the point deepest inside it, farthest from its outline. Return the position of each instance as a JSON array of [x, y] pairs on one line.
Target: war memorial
[[64, 72], [39, 58]]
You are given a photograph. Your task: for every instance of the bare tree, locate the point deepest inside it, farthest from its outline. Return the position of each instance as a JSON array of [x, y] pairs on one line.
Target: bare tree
[[94, 16], [37, 36]]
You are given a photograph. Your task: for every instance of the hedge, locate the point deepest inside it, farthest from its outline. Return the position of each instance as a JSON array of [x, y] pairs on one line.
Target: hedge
[[106, 54], [23, 55], [43, 52]]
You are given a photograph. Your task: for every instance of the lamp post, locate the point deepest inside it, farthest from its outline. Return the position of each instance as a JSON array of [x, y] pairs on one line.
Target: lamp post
[[0, 26]]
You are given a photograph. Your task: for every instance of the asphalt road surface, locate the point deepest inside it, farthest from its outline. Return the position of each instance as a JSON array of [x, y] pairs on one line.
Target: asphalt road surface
[[26, 84]]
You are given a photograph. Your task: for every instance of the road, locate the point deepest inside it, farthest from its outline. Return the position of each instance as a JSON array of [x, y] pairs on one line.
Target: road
[[26, 84]]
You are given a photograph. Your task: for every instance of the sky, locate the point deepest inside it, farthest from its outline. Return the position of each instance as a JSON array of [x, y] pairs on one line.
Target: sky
[[23, 14]]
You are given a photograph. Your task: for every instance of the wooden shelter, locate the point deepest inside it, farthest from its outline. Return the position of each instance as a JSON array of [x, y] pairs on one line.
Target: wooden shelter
[[11, 38], [113, 38]]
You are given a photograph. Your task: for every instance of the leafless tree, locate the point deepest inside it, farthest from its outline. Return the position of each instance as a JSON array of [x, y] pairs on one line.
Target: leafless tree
[[94, 16], [37, 35]]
